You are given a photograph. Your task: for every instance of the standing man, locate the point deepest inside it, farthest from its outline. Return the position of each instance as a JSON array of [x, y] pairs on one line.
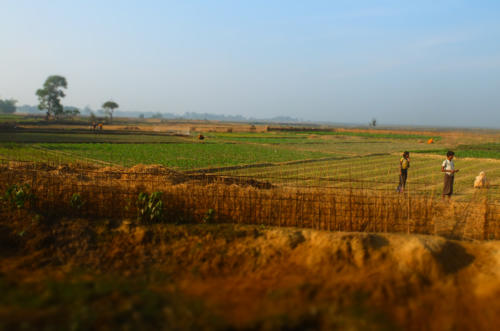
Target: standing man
[[448, 167], [404, 164]]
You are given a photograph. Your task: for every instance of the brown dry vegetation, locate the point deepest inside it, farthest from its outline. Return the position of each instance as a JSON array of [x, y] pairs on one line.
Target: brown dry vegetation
[[81, 274], [451, 137], [112, 192], [167, 126]]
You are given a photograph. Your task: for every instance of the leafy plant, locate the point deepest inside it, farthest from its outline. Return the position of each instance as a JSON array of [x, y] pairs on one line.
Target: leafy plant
[[149, 207], [19, 195], [209, 216], [76, 202]]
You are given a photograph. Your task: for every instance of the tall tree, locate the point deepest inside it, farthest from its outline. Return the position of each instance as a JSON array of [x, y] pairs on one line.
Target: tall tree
[[50, 95], [7, 106], [109, 107]]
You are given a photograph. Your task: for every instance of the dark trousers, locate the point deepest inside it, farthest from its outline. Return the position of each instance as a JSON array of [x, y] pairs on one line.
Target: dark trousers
[[402, 179], [448, 184]]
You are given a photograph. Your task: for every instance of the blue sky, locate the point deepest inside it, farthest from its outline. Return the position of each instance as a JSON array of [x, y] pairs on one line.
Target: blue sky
[[403, 62]]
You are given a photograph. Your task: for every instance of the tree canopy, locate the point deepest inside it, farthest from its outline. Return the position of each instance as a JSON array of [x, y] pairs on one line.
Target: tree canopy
[[71, 112], [7, 106], [50, 95], [109, 107]]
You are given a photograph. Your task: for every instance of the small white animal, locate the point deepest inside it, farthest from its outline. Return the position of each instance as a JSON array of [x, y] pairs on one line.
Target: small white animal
[[481, 180]]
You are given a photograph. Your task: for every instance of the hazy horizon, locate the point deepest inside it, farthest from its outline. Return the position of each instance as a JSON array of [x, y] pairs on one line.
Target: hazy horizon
[[422, 64]]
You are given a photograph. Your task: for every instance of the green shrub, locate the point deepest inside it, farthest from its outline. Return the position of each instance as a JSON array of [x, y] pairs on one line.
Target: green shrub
[[149, 207], [76, 202], [209, 216], [19, 196]]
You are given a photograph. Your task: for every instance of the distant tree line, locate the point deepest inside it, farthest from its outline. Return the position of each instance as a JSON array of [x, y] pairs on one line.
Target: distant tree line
[[87, 111], [52, 92], [7, 106], [50, 95]]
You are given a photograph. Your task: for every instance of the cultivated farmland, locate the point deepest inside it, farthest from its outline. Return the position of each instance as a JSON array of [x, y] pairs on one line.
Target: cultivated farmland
[[358, 160], [266, 228]]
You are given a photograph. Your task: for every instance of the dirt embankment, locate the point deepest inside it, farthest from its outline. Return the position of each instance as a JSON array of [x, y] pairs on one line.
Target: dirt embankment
[[138, 173], [247, 277]]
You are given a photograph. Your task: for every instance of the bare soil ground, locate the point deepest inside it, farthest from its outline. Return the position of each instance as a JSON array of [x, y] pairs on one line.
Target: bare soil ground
[[157, 126], [103, 274]]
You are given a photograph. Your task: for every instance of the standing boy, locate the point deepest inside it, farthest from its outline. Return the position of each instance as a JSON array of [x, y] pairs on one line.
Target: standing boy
[[404, 164], [448, 167]]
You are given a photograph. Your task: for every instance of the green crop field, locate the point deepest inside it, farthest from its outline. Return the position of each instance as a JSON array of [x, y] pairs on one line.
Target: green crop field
[[181, 156], [218, 150], [371, 135], [42, 137], [353, 160], [127, 150], [487, 150]]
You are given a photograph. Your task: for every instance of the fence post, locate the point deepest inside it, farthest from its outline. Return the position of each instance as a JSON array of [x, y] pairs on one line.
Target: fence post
[[409, 212], [485, 227]]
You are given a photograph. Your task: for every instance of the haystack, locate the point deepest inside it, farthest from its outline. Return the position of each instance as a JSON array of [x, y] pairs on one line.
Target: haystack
[[481, 181]]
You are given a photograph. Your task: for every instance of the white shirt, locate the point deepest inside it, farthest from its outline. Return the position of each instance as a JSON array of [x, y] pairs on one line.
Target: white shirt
[[448, 165]]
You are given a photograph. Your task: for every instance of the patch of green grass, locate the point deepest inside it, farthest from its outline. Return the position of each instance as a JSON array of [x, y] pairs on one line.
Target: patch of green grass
[[277, 140], [372, 135], [182, 156], [39, 119], [28, 152], [360, 146], [479, 154], [486, 147], [10, 117], [32, 137], [304, 134], [488, 150]]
